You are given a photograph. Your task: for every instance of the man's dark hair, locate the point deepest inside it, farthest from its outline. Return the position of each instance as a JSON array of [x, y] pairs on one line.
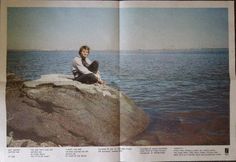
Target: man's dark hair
[[84, 47]]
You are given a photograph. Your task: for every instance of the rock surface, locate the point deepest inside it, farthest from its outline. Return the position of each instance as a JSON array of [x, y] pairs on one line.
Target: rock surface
[[28, 143], [68, 113]]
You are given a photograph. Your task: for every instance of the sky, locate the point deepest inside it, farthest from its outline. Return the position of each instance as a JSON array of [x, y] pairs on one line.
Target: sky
[[63, 28], [174, 28], [111, 29]]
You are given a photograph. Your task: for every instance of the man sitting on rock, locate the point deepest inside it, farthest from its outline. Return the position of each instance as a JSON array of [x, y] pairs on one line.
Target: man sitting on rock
[[84, 70]]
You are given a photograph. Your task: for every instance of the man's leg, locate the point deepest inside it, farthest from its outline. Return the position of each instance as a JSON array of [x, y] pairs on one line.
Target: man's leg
[[93, 67], [87, 79]]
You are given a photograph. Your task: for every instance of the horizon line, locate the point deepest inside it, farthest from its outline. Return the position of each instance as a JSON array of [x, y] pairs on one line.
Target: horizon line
[[164, 49]]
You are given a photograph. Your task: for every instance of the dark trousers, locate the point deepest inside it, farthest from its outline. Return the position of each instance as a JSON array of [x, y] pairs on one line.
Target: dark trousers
[[89, 78]]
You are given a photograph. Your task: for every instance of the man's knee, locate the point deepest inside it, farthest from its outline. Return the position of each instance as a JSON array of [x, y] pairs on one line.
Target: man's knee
[[93, 67], [96, 62]]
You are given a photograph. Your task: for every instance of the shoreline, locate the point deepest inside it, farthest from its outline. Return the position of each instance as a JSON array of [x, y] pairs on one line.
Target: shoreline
[[127, 51]]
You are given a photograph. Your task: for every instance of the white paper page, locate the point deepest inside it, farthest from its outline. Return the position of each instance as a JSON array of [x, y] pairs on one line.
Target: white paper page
[[41, 38], [173, 48]]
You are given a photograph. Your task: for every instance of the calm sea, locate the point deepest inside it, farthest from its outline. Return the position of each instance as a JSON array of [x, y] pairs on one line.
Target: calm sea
[[158, 82]]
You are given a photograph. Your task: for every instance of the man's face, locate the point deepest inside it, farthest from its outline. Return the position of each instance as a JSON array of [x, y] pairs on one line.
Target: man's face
[[84, 53]]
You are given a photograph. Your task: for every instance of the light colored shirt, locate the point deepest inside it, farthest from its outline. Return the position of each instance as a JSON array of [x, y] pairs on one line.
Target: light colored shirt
[[78, 68]]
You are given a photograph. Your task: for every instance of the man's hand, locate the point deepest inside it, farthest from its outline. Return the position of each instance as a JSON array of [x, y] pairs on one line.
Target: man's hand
[[101, 82]]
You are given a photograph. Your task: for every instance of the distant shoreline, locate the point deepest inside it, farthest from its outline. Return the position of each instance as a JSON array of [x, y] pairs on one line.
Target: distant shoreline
[[121, 51]]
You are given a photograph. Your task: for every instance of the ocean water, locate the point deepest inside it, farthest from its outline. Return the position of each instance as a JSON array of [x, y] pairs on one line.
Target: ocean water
[[162, 82]]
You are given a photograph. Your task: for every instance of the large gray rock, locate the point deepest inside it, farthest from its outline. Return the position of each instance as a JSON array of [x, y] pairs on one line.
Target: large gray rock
[[55, 108]]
